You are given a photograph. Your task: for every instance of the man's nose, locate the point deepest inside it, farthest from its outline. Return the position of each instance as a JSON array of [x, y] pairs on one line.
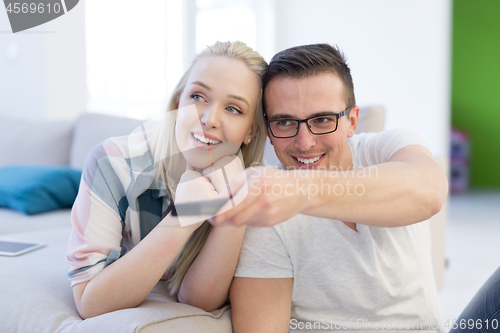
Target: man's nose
[[304, 139], [211, 116]]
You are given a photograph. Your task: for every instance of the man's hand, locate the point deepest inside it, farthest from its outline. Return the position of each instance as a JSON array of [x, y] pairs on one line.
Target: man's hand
[[265, 197]]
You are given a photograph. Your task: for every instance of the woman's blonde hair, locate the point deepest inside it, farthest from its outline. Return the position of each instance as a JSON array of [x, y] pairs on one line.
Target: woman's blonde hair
[[169, 161]]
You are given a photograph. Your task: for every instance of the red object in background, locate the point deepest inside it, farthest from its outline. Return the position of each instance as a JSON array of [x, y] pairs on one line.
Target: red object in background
[[459, 161]]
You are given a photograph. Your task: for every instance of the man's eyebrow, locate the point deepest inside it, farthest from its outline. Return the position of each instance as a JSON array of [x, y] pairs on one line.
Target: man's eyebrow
[[239, 98], [202, 84], [282, 116], [289, 116]]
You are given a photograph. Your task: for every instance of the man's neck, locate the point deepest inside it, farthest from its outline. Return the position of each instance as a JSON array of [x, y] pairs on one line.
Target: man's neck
[[346, 162]]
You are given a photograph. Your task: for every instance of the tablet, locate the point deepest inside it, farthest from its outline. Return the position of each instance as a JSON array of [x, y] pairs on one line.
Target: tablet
[[15, 248]]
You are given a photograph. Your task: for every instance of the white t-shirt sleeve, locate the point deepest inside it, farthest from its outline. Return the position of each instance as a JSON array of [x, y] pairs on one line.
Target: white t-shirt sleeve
[[375, 148], [264, 255]]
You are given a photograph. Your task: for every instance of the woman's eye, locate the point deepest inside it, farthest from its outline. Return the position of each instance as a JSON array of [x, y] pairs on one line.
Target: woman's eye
[[234, 110], [197, 97]]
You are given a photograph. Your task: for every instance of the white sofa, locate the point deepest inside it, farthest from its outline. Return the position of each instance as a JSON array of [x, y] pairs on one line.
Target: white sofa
[[35, 291]]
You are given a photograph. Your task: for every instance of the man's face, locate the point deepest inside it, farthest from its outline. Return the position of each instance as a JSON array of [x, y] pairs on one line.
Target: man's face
[[303, 98]]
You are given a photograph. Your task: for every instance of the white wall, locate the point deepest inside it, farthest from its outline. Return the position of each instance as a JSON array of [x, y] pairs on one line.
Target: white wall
[[66, 88], [398, 52], [42, 70], [22, 72]]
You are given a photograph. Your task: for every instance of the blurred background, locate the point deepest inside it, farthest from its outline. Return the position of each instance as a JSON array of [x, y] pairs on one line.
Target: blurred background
[[432, 64]]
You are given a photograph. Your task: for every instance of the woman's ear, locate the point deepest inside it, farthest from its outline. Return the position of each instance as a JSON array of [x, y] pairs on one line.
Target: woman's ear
[[253, 132]]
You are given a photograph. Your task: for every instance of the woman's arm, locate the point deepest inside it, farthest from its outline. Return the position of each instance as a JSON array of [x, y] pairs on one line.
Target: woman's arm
[[128, 281], [206, 283]]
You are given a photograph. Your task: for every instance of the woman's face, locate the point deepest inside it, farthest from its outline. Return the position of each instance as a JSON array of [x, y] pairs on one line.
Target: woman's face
[[216, 110]]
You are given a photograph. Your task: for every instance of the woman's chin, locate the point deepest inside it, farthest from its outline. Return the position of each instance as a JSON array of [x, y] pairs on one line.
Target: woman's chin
[[197, 158]]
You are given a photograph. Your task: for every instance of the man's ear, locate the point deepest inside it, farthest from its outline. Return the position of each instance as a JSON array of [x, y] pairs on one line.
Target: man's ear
[[353, 120]]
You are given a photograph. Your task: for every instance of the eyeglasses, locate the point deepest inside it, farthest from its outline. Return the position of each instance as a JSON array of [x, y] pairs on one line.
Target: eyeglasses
[[322, 124]]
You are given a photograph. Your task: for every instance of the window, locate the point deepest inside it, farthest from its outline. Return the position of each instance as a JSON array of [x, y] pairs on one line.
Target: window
[[136, 52], [224, 21], [126, 57]]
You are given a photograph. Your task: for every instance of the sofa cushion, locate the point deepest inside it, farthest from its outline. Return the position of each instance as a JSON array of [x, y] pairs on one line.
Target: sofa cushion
[[37, 297], [91, 129], [36, 189], [26, 142], [371, 119]]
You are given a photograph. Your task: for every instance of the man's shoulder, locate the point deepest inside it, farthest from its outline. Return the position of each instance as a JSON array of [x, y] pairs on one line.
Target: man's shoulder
[[374, 148], [387, 134]]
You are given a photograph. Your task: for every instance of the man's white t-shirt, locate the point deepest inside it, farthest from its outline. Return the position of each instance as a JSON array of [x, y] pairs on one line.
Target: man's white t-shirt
[[373, 278]]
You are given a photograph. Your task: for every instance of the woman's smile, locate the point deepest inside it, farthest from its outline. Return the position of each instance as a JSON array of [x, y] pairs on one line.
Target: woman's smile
[[204, 141]]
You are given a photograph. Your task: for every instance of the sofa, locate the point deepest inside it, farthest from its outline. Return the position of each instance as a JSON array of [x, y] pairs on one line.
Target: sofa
[[35, 292]]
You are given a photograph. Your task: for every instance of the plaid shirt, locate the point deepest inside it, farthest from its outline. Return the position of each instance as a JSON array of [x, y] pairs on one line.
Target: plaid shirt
[[118, 203]]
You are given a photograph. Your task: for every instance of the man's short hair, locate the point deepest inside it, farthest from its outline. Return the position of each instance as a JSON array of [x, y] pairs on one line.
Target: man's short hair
[[309, 60]]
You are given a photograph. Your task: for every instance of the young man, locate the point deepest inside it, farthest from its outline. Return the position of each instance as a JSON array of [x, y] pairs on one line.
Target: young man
[[350, 254]]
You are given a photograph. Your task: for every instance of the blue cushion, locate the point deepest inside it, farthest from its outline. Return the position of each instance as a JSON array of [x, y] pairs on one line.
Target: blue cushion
[[33, 189]]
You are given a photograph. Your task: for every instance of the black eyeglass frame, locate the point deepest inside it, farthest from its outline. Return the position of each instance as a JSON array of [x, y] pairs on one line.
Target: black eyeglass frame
[[337, 115]]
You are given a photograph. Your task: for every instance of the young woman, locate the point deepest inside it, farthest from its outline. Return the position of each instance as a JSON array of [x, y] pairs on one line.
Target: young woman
[[124, 237]]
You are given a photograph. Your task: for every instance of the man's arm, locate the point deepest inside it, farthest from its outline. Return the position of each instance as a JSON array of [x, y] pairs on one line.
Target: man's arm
[[409, 188], [261, 305]]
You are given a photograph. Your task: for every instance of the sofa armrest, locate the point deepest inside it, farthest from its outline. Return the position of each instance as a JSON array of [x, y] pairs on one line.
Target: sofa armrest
[[93, 128]]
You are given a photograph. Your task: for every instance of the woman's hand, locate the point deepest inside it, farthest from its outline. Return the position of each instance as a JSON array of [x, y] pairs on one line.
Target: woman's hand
[[223, 170], [193, 186]]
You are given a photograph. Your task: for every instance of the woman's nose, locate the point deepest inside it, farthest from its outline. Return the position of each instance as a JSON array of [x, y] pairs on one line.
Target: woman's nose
[[211, 116]]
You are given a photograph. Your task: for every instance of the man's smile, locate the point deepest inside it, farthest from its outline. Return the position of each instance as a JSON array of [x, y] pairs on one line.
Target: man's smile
[[309, 160]]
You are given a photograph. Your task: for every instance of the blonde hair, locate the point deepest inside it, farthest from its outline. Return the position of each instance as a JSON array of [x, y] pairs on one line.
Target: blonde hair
[[168, 159]]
